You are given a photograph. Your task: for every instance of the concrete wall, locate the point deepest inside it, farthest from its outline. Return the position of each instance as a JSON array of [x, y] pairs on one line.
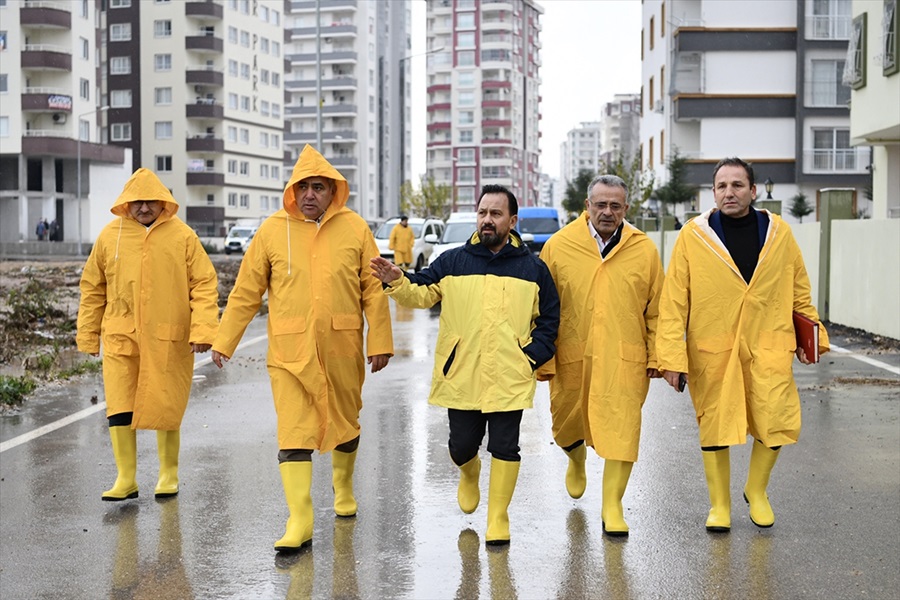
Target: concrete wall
[[865, 275], [807, 236]]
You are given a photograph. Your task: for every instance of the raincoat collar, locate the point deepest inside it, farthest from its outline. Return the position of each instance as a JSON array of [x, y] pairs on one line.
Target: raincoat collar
[[311, 163], [515, 245], [145, 185], [762, 224]]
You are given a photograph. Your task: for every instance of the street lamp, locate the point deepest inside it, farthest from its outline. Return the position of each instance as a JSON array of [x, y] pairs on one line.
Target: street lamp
[[403, 109], [770, 185], [78, 167]]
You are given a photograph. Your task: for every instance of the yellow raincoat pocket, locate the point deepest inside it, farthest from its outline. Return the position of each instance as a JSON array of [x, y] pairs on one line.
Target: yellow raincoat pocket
[[170, 332], [716, 345], [633, 352], [285, 346], [119, 336], [777, 340], [346, 321], [347, 340], [445, 355]]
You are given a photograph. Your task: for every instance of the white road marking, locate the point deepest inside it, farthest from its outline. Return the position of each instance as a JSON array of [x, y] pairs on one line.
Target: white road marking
[[867, 360], [50, 427]]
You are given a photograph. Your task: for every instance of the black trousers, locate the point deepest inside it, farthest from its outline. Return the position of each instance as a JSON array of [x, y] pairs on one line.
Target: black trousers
[[467, 429]]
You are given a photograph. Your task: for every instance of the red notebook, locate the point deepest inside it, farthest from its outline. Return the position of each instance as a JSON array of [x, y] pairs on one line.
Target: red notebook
[[807, 332]]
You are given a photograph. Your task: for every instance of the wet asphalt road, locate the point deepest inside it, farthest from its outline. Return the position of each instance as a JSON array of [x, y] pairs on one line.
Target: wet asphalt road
[[836, 496]]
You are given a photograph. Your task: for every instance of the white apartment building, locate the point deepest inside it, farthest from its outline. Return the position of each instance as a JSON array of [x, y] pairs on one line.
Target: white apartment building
[[351, 54], [620, 128], [483, 101], [580, 151], [873, 72], [50, 124], [735, 79]]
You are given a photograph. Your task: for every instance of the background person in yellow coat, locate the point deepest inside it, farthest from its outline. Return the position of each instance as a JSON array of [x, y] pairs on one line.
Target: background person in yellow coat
[[735, 277], [609, 277], [401, 242], [150, 292], [312, 257]]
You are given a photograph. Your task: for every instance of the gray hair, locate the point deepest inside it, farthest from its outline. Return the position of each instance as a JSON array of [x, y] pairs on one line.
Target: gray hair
[[610, 181]]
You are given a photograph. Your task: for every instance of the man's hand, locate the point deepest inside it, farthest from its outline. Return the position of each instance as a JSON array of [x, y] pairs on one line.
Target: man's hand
[[672, 377], [379, 361], [95, 354], [200, 348], [385, 270], [218, 358], [801, 356], [653, 373]]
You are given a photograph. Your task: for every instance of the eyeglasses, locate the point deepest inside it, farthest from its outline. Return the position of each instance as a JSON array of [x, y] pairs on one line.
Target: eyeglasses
[[613, 206]]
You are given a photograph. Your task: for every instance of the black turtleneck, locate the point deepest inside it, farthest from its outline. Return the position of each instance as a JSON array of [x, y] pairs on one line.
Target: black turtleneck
[[742, 241]]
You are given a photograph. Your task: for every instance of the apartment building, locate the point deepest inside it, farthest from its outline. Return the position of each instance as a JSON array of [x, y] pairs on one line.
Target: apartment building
[[620, 124], [580, 152], [760, 82], [351, 55], [483, 99], [51, 152], [873, 73]]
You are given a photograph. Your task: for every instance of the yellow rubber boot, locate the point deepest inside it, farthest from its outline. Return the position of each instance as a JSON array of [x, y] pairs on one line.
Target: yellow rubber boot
[[615, 479], [762, 460], [503, 483], [576, 476], [342, 464], [469, 495], [717, 466], [296, 477], [168, 443], [124, 445]]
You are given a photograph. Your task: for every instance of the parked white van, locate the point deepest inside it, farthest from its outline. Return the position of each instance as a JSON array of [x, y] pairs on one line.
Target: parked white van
[[421, 248], [460, 227], [239, 237]]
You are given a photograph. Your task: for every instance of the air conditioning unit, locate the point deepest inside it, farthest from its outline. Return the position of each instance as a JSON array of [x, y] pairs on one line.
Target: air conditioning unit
[[198, 89], [59, 118], [658, 106]]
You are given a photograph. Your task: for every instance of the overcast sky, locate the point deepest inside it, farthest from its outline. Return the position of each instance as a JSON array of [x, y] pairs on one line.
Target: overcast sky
[[590, 52]]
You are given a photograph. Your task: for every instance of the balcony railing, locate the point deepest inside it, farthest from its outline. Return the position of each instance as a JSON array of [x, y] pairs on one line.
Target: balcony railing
[[836, 160], [828, 27]]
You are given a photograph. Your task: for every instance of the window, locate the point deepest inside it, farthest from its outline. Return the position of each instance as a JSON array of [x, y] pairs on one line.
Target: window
[[832, 151], [232, 199], [466, 136], [263, 139], [263, 171], [163, 130], [276, 172], [465, 58], [85, 49], [652, 32], [264, 45], [276, 79], [245, 39], [84, 130], [4, 83], [276, 48], [244, 6], [120, 32], [245, 71], [210, 199], [264, 108], [465, 39], [855, 69], [233, 68], [162, 62], [119, 3], [232, 35], [232, 101], [467, 98], [162, 96], [264, 76], [232, 167], [465, 195], [276, 110], [465, 21], [163, 164], [120, 132], [264, 13], [232, 133], [830, 20], [120, 65], [264, 202], [84, 89], [467, 79], [890, 54], [827, 87], [466, 117], [465, 175], [162, 28], [275, 18], [245, 103], [120, 99], [467, 155], [4, 126], [245, 200], [245, 135]]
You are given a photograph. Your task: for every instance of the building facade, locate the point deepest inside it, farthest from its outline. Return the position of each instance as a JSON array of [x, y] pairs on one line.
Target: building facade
[[873, 72], [620, 129], [729, 79], [483, 100], [580, 152], [352, 55], [51, 146]]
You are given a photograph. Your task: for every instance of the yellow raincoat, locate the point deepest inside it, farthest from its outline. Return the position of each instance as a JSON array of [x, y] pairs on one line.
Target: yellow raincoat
[[573, 257], [319, 284], [739, 347], [401, 242], [148, 293], [621, 344]]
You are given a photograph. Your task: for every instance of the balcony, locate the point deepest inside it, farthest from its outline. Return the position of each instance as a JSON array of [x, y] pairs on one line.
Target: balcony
[[438, 106], [438, 87], [39, 100], [439, 125], [496, 123], [493, 83], [496, 140], [206, 11], [310, 5], [495, 5], [205, 143], [49, 143], [820, 27], [204, 76], [205, 108], [207, 44], [342, 135], [333, 83], [207, 178], [326, 57], [38, 57], [336, 30], [44, 15], [694, 107], [836, 160], [496, 104]]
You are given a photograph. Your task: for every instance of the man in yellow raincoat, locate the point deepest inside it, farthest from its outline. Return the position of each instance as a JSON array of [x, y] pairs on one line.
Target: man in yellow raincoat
[[609, 277], [312, 257], [735, 278], [401, 242], [499, 318], [150, 293]]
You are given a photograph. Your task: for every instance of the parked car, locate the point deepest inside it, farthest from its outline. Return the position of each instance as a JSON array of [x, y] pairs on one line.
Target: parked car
[[421, 228], [459, 228], [539, 221], [238, 238]]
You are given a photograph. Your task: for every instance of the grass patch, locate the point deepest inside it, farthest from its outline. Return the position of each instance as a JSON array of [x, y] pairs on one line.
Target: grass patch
[[84, 368], [14, 389]]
